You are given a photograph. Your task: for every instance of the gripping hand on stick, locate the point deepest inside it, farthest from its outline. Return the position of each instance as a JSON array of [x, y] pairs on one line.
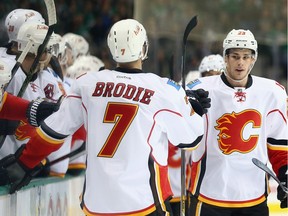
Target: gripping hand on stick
[[14, 173], [199, 100], [281, 194]]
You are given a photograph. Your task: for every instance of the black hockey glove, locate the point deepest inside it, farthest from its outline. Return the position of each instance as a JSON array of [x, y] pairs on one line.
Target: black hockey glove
[[14, 173], [39, 110], [282, 195], [199, 100]]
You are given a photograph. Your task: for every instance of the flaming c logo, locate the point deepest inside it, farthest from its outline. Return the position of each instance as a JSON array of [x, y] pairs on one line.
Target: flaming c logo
[[24, 131], [231, 136]]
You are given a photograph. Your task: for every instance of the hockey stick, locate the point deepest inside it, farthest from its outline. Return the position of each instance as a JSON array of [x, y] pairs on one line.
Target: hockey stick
[[171, 67], [190, 26], [262, 166], [52, 20], [20, 59], [72, 155]]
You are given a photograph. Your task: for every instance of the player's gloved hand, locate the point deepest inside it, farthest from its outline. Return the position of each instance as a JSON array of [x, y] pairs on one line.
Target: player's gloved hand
[[199, 100], [45, 170], [281, 195], [39, 109], [14, 173]]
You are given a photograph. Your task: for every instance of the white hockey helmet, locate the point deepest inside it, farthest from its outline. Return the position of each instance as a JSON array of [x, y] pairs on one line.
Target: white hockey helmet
[[65, 52], [212, 63], [192, 75], [240, 38], [127, 41], [84, 64], [33, 34], [78, 43], [19, 16], [5, 76]]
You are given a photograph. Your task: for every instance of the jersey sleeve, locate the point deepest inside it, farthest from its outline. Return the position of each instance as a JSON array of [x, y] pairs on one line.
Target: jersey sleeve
[[277, 140], [50, 136], [183, 126], [13, 108]]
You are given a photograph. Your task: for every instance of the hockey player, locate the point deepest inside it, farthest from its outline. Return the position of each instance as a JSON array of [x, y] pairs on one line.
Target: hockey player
[[79, 45], [247, 119], [46, 80], [14, 108], [8, 53], [29, 34], [83, 64], [211, 65], [129, 116]]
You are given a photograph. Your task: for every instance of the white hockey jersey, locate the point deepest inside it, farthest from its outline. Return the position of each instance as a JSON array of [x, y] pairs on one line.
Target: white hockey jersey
[[242, 123], [174, 169], [47, 85], [33, 91], [129, 119]]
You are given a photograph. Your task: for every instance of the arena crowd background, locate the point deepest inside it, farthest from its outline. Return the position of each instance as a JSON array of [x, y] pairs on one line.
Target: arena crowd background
[[165, 21]]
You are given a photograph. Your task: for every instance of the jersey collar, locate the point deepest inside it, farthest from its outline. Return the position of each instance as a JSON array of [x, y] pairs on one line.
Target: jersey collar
[[128, 70], [249, 83]]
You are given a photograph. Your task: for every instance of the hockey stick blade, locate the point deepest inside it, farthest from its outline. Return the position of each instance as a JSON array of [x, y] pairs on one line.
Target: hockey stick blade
[[190, 26], [51, 11], [72, 155], [52, 20], [262, 166]]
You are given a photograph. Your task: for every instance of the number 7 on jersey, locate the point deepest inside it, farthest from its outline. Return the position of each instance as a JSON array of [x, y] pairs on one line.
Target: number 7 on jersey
[[122, 116]]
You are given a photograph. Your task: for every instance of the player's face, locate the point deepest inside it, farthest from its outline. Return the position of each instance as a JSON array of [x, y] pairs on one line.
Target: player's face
[[239, 63]]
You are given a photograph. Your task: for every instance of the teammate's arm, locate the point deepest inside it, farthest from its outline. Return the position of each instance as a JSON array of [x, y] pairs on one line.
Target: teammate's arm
[[13, 108]]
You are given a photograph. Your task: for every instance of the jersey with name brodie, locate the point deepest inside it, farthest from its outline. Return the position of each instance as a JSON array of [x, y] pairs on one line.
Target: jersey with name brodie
[[129, 119]]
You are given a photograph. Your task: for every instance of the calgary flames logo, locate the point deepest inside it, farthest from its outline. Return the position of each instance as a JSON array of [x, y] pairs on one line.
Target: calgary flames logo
[[235, 135], [24, 131]]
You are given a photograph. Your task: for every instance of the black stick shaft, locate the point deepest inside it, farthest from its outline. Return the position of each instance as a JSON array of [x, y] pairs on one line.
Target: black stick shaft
[[190, 26], [72, 155]]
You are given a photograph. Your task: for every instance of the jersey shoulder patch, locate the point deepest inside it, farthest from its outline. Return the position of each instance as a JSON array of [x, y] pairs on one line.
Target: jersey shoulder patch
[[174, 84], [193, 83]]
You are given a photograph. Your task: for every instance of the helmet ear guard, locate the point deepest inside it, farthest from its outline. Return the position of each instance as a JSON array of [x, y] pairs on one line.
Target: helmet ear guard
[[127, 41]]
